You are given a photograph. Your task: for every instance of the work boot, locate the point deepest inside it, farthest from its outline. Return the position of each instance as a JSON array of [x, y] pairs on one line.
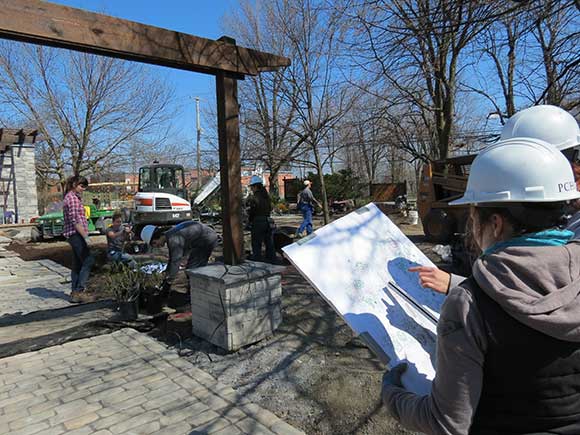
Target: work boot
[[75, 297], [87, 298], [82, 297]]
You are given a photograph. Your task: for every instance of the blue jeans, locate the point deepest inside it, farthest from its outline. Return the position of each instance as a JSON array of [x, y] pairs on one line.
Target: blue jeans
[[121, 257], [307, 219], [82, 263]]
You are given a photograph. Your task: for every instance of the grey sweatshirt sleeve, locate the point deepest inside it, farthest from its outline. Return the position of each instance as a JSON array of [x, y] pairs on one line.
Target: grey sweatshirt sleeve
[[455, 280], [176, 247], [456, 389]]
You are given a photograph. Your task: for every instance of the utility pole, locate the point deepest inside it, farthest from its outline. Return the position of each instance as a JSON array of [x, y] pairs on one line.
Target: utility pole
[[198, 144]]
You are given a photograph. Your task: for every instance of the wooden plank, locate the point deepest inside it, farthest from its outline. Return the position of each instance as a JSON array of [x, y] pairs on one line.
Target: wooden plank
[[230, 167], [459, 160], [50, 24], [10, 136], [450, 183]]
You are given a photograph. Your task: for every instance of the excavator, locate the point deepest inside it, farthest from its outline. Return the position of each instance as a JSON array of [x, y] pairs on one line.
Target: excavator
[[161, 197]]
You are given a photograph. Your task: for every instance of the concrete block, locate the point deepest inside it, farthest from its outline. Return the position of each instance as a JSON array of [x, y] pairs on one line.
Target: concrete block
[[233, 333], [218, 292], [249, 271], [233, 306]]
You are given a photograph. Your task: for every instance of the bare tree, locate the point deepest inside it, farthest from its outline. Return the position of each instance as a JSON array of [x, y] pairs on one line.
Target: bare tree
[[268, 114], [533, 51], [556, 27], [500, 43], [415, 50], [364, 134], [87, 108], [320, 96]]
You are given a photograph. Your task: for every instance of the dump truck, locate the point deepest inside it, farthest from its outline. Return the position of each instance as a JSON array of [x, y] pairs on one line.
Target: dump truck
[[52, 224], [443, 181]]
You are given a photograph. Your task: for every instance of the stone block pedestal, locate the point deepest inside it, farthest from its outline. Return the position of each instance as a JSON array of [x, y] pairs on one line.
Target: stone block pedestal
[[233, 306]]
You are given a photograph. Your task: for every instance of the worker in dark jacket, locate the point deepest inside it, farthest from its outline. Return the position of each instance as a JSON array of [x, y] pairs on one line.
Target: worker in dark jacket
[[508, 337], [188, 238], [262, 225]]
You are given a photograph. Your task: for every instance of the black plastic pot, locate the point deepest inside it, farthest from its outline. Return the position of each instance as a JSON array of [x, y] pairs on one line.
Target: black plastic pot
[[129, 310], [154, 303]]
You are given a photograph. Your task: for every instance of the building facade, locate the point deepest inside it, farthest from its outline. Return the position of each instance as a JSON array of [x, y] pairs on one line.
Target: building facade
[[18, 193]]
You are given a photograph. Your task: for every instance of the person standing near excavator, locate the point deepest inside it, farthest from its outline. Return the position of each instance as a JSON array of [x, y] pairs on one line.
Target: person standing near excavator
[[260, 208]]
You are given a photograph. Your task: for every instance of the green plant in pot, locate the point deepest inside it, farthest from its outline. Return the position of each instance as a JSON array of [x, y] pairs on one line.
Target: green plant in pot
[[125, 285], [151, 297]]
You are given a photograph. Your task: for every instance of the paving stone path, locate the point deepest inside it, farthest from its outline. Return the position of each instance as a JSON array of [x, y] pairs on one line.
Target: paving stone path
[[124, 382], [28, 286]]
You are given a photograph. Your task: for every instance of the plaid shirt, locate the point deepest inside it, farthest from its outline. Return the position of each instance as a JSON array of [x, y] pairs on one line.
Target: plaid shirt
[[74, 213]]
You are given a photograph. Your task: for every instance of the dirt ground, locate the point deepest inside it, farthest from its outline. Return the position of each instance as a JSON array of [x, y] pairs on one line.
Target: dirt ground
[[313, 372]]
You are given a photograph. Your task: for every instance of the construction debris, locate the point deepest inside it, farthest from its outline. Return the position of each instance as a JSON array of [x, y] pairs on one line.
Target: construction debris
[[444, 251]]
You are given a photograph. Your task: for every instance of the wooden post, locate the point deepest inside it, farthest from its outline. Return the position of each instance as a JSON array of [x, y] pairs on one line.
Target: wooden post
[[230, 167]]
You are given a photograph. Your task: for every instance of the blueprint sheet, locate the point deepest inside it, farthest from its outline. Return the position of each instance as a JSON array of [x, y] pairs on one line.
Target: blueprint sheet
[[350, 262]]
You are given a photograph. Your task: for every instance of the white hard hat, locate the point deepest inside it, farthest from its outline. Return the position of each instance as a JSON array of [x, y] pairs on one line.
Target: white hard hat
[[519, 170], [147, 233], [548, 123], [256, 179], [307, 182]]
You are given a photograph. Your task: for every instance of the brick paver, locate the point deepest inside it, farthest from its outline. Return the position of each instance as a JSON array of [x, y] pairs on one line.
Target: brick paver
[[29, 286], [124, 382]]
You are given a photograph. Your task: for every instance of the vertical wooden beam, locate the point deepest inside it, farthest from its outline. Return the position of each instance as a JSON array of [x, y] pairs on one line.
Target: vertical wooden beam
[[230, 167]]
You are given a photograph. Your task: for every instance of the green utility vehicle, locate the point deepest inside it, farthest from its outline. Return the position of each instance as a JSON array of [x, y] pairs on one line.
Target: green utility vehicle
[[51, 224]]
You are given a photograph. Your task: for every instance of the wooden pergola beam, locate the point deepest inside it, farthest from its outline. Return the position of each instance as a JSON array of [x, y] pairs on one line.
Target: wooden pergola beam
[[50, 24], [17, 136]]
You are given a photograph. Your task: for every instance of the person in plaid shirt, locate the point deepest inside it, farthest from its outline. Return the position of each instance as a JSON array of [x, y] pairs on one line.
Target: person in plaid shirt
[[76, 232]]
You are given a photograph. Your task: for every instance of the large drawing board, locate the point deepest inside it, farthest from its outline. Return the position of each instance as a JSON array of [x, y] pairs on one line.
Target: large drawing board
[[350, 262]]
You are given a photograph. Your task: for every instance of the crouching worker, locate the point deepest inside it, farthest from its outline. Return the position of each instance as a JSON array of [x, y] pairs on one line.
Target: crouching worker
[[508, 337], [188, 238], [117, 235]]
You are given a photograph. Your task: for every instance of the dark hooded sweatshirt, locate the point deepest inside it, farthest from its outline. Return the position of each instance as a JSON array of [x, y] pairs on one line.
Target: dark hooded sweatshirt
[[188, 238], [532, 291]]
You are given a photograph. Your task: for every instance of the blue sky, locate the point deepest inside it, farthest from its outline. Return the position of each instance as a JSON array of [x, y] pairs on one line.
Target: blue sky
[[196, 17]]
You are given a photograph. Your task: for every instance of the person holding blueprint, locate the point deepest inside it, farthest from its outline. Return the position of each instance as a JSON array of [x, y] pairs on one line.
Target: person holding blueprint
[[548, 123], [508, 338]]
